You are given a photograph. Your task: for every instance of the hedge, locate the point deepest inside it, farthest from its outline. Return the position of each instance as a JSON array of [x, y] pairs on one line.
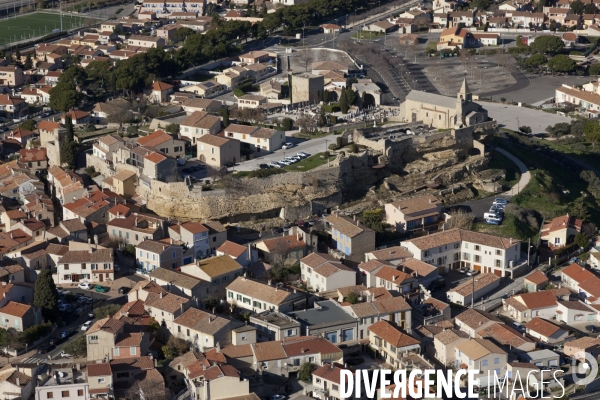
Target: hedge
[[331, 108]]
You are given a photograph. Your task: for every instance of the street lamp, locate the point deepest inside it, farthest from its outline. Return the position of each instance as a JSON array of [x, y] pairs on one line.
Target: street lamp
[[303, 36]]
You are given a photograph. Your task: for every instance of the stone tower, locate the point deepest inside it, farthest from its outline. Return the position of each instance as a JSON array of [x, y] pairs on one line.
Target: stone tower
[[463, 97]]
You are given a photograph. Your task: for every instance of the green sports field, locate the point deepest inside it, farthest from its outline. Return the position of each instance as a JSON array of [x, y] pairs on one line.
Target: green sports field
[[32, 25]]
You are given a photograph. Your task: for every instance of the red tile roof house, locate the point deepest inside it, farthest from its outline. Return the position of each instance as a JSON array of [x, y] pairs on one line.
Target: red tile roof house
[[526, 306], [78, 117], [161, 92], [582, 281], [561, 231], [34, 159], [19, 316], [546, 331]]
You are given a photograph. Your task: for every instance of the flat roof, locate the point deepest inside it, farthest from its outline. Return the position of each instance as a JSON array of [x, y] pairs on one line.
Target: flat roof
[[325, 313]]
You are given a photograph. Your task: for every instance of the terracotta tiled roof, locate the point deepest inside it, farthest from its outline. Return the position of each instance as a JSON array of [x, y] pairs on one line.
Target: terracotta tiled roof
[[456, 235], [346, 226], [194, 227], [576, 305], [309, 345], [154, 139], [448, 336], [578, 273], [134, 363], [475, 318], [541, 299], [478, 348], [537, 277], [214, 140], [133, 339], [157, 85], [232, 249], [216, 266], [202, 321], [315, 259], [260, 291], [244, 350], [99, 369], [504, 335], [481, 281], [169, 302], [417, 205], [329, 372], [542, 327], [107, 324], [392, 335], [392, 253], [267, 351], [176, 278], [391, 274], [30, 155], [15, 309]]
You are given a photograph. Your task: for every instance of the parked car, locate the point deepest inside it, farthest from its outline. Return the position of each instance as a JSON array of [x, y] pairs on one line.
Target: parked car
[[591, 329], [65, 355], [277, 397], [500, 201], [44, 349], [264, 166], [275, 164], [66, 333], [518, 326], [86, 325], [472, 272], [287, 145], [84, 285], [70, 308], [493, 221], [101, 289], [124, 290], [462, 270]]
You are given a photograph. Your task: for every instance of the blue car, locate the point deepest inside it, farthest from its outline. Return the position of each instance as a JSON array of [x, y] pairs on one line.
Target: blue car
[[492, 221]]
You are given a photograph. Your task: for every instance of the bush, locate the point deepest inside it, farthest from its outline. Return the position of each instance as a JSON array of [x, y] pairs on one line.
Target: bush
[[36, 332], [333, 119], [238, 92], [107, 310], [305, 372], [565, 249], [287, 124], [76, 347], [132, 130], [331, 108]]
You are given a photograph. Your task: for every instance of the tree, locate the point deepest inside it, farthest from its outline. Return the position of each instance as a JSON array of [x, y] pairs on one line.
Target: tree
[[344, 106], [525, 129], [350, 95], [460, 219], [107, 311], [577, 7], [547, 44], [153, 326], [305, 57], [352, 298], [174, 348], [64, 97], [561, 63], [74, 75], [591, 130], [182, 33], [237, 92], [67, 153], [595, 69], [28, 62], [307, 123], [480, 4], [173, 129], [590, 9], [582, 240], [45, 295], [536, 60], [305, 372], [287, 124], [28, 125], [558, 130], [224, 114], [579, 210], [70, 129], [77, 347], [374, 219]]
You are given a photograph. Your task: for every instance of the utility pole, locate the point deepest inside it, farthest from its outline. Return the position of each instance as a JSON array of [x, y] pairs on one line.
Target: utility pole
[[528, 249], [473, 292]]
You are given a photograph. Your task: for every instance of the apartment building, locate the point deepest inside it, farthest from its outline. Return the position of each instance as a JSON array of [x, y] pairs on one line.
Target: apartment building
[[461, 248], [203, 329], [323, 272], [255, 296], [165, 308], [136, 228], [473, 289], [94, 265], [163, 142], [273, 325], [100, 338], [151, 254], [11, 75], [180, 283], [481, 355], [326, 381], [255, 138], [198, 124], [218, 151]]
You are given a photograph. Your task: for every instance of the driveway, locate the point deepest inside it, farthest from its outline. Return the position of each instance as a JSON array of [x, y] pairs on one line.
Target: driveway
[[512, 117]]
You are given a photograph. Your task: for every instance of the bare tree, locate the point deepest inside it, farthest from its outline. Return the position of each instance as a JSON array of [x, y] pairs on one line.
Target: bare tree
[[460, 219], [307, 123], [305, 57], [280, 253]]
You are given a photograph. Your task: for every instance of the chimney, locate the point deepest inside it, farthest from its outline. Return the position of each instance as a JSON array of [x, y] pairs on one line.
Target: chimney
[[394, 277], [268, 282], [171, 240], [354, 217], [510, 240], [161, 295], [11, 235], [118, 214], [430, 201], [18, 382]]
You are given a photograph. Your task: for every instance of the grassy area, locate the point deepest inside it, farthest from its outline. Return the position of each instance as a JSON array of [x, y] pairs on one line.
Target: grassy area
[[512, 172], [552, 188], [309, 163], [35, 25], [580, 153], [100, 132], [310, 135], [366, 35], [510, 227]]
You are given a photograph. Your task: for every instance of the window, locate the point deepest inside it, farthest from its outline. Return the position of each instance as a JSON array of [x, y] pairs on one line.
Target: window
[[246, 300], [256, 304], [173, 255], [456, 245], [484, 363], [92, 339], [117, 351], [498, 263], [335, 387], [497, 360], [470, 362], [230, 295], [477, 248], [80, 392], [477, 258], [100, 380], [64, 393], [498, 252], [49, 395], [132, 351], [66, 266], [238, 297], [466, 256]]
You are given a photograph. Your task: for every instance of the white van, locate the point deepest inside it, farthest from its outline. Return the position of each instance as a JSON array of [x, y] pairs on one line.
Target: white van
[[492, 215]]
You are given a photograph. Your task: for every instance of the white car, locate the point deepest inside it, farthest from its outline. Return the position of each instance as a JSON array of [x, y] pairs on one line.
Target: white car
[[66, 355], [86, 326], [287, 145], [500, 201], [84, 285], [275, 164]]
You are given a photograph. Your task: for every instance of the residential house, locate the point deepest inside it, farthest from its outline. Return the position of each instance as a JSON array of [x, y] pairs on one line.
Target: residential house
[[392, 309], [161, 91], [545, 331], [473, 321], [255, 57], [151, 253], [197, 104], [327, 272], [68, 186], [163, 142], [19, 316], [204, 89], [481, 355], [180, 283], [444, 345], [331, 28], [508, 338], [575, 312], [136, 227], [72, 229], [220, 381], [165, 308], [255, 296], [393, 255], [94, 266], [536, 281], [524, 307], [351, 238], [15, 382], [251, 101], [123, 183], [218, 151], [455, 37], [391, 343], [100, 338], [328, 319], [11, 75], [395, 280], [205, 330], [326, 381], [35, 159], [585, 344], [145, 41], [198, 124], [100, 380], [460, 248], [78, 117], [219, 271], [273, 325], [467, 292], [244, 255], [423, 212], [68, 383], [282, 250], [544, 359], [255, 138], [561, 230]]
